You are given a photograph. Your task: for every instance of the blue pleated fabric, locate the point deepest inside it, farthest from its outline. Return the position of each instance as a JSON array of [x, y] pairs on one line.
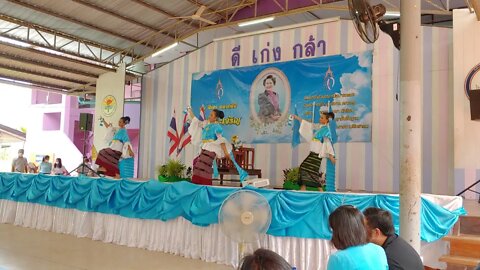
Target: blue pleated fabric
[[294, 214], [126, 167]]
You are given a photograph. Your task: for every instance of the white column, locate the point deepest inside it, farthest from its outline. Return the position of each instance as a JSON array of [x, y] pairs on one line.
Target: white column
[[410, 121]]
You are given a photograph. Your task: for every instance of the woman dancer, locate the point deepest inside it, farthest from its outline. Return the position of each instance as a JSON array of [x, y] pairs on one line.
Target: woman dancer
[[109, 159], [320, 147], [209, 134]]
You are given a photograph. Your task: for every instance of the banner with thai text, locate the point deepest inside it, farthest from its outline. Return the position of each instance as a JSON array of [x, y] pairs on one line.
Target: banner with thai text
[[257, 100]]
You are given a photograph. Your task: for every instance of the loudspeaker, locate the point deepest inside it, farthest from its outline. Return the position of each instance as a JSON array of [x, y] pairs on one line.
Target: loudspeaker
[[474, 104], [86, 120]]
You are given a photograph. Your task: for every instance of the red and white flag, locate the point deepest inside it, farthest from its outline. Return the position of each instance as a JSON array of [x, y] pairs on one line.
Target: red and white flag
[[172, 133], [185, 137], [202, 114]]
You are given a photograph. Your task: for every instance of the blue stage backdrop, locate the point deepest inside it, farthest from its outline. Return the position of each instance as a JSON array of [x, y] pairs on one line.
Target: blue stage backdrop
[[258, 99]]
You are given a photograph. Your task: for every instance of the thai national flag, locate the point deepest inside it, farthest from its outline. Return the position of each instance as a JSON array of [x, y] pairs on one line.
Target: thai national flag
[[202, 114], [172, 133], [185, 137]]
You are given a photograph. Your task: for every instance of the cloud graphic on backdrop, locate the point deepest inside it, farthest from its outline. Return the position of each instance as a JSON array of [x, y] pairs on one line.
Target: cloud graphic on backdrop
[[365, 59], [200, 75], [357, 80], [360, 134]]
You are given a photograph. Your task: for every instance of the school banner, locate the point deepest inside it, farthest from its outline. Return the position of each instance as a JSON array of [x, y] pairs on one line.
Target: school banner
[[257, 100]]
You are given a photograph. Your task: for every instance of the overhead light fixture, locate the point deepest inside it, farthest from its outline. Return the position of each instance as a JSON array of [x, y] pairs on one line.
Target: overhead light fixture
[[173, 45], [392, 14], [268, 19]]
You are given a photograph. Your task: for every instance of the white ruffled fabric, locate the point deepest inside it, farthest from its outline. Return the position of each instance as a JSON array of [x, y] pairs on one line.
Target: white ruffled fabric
[[178, 236], [195, 131], [323, 149]]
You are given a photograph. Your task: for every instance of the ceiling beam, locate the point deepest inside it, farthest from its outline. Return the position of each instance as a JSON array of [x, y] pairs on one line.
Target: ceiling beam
[[73, 20], [41, 74], [37, 27], [24, 60], [79, 57], [17, 80], [162, 11], [47, 55], [114, 14]]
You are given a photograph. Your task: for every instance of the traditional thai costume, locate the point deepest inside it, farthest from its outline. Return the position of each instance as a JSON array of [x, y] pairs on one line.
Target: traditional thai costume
[[209, 136], [320, 147], [116, 159]]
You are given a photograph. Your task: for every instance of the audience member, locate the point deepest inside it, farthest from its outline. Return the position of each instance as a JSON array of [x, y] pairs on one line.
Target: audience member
[[263, 259], [45, 165], [58, 168], [20, 164], [350, 239], [380, 231]]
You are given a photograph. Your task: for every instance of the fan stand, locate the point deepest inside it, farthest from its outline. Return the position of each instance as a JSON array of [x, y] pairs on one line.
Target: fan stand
[[246, 218]]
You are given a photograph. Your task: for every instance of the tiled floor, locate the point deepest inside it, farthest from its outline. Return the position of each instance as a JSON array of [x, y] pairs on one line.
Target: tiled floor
[[28, 249]]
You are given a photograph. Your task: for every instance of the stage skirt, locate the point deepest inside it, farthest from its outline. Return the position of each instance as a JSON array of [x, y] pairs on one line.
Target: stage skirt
[[309, 171], [109, 159], [202, 168]]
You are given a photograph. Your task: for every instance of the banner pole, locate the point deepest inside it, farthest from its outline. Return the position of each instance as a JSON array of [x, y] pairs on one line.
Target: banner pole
[[313, 112]]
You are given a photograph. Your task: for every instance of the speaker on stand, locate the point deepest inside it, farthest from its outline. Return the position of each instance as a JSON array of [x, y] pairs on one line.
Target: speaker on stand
[[86, 124]]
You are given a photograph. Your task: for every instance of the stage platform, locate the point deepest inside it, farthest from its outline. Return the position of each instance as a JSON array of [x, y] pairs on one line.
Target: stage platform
[[181, 218]]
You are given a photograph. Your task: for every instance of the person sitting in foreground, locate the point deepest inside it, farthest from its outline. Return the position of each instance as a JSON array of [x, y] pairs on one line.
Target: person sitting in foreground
[[380, 230], [263, 259], [350, 239]]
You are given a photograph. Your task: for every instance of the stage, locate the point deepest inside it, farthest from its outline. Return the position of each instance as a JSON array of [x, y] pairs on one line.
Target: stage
[[181, 218]]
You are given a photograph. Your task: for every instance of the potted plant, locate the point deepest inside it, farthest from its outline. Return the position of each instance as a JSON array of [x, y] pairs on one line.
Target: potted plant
[[290, 180], [174, 171]]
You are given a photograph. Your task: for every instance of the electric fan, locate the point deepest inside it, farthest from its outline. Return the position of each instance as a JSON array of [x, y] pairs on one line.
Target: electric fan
[[243, 217], [366, 18]]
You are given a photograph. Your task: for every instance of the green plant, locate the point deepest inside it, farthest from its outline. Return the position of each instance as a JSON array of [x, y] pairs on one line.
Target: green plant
[[291, 175], [173, 168]]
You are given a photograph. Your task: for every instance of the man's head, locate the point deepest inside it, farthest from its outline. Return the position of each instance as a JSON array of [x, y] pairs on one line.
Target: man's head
[[20, 153], [379, 225]]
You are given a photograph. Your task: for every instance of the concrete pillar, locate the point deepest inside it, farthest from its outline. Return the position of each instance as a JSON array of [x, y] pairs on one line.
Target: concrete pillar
[[410, 121]]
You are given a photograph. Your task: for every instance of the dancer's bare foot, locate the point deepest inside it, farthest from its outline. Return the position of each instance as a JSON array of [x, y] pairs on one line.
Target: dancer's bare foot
[[320, 189]]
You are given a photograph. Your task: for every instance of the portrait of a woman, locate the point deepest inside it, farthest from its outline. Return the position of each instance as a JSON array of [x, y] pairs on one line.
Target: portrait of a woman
[[268, 101]]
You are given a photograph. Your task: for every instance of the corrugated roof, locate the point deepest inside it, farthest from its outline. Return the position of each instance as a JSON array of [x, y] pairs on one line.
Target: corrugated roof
[[67, 42]]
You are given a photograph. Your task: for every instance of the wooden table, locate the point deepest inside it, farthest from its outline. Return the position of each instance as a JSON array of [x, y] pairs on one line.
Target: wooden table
[[245, 157]]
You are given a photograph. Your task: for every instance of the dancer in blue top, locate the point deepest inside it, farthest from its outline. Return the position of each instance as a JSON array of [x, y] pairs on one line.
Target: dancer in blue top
[[349, 237], [117, 160], [321, 146], [209, 134]]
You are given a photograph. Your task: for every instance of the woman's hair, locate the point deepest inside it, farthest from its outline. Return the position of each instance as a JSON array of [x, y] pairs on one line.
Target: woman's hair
[[271, 78], [58, 164], [45, 158], [348, 227], [126, 120], [219, 114], [264, 259], [329, 115]]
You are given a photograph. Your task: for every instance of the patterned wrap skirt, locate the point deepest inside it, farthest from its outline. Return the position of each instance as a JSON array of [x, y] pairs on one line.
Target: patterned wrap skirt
[[202, 168], [109, 159], [310, 171]]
